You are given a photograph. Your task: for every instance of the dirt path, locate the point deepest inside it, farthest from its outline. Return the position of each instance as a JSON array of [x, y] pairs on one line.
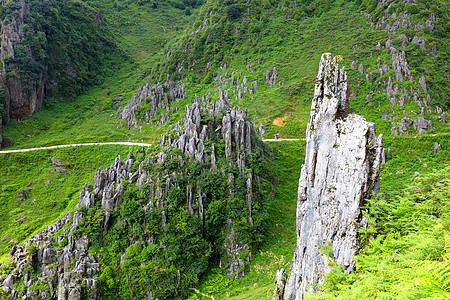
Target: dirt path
[[76, 145], [281, 140], [148, 145], [280, 121]]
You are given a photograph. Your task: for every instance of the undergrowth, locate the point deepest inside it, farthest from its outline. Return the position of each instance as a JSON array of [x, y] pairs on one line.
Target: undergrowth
[[279, 243], [407, 253]]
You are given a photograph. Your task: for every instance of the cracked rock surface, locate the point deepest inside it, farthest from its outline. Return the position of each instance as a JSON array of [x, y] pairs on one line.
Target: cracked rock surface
[[341, 169]]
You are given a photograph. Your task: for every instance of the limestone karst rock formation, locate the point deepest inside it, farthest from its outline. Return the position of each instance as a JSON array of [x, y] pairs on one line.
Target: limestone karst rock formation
[[158, 98], [396, 88], [341, 169], [216, 135]]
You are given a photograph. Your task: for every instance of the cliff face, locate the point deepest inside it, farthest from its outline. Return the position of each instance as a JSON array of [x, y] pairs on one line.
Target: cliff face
[[21, 99], [46, 49], [341, 169]]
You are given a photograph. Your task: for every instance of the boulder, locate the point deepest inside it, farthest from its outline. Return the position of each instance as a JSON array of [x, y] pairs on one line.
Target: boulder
[[437, 148]]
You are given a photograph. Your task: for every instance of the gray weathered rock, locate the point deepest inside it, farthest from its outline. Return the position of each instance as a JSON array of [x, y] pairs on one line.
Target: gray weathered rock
[[86, 198], [437, 148], [59, 166], [423, 84], [271, 78], [158, 98], [22, 195], [442, 118], [280, 282], [361, 69], [421, 125], [62, 170], [342, 151]]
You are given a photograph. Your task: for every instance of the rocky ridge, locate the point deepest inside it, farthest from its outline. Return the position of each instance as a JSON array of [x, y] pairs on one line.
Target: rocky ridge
[[342, 166], [232, 87], [214, 134]]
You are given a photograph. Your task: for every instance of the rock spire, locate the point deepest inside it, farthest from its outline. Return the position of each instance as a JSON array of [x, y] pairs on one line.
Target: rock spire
[[341, 169]]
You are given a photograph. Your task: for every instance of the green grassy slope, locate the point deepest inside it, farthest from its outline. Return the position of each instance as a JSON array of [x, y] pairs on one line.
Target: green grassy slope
[[278, 34], [142, 32], [287, 42], [53, 194]]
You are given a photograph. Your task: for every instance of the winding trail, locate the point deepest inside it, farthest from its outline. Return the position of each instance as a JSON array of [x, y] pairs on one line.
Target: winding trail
[[76, 145], [148, 145], [109, 143]]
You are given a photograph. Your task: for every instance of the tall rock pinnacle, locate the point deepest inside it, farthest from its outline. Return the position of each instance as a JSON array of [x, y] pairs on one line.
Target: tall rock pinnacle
[[341, 169]]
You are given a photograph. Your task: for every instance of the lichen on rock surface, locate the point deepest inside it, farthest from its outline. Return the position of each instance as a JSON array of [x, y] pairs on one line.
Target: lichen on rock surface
[[341, 170]]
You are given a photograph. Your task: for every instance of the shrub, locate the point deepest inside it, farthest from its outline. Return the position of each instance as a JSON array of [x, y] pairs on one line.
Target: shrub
[[412, 8], [234, 11]]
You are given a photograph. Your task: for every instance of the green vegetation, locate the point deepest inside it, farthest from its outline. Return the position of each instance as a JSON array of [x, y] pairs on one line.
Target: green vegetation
[[407, 254], [64, 42], [404, 253], [279, 242], [49, 195]]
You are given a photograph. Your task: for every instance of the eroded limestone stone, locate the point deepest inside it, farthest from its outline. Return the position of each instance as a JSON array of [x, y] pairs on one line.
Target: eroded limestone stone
[[341, 169]]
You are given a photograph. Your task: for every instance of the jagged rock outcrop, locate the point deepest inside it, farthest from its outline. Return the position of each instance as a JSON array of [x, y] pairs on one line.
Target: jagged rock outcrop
[[240, 140], [61, 263], [341, 169], [145, 106], [59, 166], [215, 136], [271, 77], [437, 148], [154, 97]]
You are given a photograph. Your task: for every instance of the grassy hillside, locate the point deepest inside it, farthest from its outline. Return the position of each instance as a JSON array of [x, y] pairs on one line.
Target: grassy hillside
[[49, 194], [141, 31], [235, 39]]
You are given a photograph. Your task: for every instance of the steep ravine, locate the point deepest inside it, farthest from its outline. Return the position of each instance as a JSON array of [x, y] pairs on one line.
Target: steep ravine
[[342, 167]]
